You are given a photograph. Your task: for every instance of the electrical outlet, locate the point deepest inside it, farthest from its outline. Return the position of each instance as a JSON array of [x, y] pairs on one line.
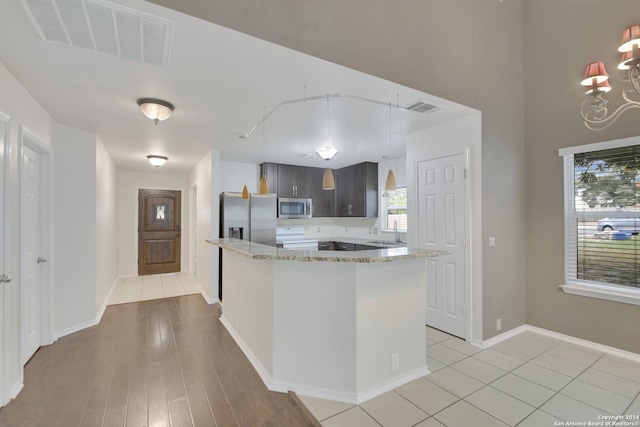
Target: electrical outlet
[[492, 241], [318, 229], [498, 324], [375, 230], [370, 230], [395, 361], [346, 228], [238, 322]]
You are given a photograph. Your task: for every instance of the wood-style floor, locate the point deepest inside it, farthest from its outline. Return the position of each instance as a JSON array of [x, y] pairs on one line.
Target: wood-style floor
[[157, 363]]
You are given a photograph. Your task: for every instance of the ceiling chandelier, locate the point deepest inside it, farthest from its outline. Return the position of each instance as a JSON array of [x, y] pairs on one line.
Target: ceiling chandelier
[[594, 109]]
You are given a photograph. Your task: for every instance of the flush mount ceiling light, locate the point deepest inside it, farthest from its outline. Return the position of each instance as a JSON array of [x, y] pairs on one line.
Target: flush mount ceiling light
[[157, 161], [327, 152], [155, 109], [594, 110]]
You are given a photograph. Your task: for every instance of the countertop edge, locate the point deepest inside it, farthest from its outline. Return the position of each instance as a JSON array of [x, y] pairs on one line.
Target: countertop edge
[[258, 251]]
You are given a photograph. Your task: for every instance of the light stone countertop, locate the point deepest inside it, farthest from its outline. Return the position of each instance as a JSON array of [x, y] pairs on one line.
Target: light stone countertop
[[260, 251]]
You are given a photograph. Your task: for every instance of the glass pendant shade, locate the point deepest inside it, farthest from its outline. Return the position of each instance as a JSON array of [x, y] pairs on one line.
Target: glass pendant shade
[[327, 152], [328, 182], [245, 192], [155, 109], [264, 185], [390, 183], [596, 71]]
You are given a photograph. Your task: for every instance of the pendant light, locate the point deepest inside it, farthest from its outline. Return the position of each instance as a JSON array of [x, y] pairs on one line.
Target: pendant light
[[328, 182], [245, 190], [264, 185], [390, 183]]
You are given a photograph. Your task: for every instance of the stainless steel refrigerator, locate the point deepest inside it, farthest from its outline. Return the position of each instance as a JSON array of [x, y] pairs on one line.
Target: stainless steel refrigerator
[[252, 219]]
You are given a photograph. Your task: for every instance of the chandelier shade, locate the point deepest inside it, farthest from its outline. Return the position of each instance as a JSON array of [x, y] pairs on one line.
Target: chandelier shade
[[603, 87], [630, 37], [626, 61], [595, 70]]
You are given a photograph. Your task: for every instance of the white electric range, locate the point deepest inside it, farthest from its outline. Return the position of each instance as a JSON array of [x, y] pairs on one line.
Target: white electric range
[[292, 238]]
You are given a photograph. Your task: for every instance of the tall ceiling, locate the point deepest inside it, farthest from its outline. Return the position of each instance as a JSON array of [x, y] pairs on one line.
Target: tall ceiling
[[222, 83]]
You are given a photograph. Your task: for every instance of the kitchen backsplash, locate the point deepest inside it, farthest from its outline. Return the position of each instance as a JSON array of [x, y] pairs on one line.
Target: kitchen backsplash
[[359, 228]]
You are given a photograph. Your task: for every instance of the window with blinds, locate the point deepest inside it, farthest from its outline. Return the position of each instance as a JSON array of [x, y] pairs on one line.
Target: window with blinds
[[394, 210], [602, 217]]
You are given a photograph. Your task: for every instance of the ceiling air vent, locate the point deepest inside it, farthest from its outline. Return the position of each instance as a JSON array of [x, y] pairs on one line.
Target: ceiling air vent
[[103, 27], [420, 107]]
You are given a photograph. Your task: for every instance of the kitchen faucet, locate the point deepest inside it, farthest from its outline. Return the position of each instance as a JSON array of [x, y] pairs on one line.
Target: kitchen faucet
[[395, 230]]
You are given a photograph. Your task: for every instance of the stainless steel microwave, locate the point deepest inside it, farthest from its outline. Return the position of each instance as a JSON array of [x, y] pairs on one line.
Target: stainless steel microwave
[[294, 208]]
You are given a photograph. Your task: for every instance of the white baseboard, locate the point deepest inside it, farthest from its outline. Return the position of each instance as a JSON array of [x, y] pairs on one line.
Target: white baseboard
[[589, 344], [206, 296], [568, 338], [305, 390], [262, 372], [499, 338], [15, 390], [59, 334]]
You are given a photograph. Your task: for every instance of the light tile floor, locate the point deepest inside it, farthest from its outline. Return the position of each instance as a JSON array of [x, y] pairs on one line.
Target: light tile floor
[[155, 286], [529, 380]]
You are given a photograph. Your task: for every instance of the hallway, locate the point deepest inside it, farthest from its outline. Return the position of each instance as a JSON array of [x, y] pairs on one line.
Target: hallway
[[153, 363]]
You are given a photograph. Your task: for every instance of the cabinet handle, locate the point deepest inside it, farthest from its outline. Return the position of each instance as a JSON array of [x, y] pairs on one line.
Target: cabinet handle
[[349, 209], [4, 278], [41, 260]]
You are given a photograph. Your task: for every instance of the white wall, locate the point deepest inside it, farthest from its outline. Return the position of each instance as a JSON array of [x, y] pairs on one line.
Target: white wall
[[74, 232], [128, 185], [452, 138], [205, 179], [234, 175], [22, 109], [106, 225]]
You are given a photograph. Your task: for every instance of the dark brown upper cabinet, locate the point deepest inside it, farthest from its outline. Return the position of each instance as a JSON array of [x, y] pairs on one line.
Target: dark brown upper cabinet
[[324, 201], [357, 190], [293, 181]]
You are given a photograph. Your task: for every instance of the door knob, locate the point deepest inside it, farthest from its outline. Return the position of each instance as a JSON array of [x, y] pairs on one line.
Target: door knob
[[41, 259], [4, 278]]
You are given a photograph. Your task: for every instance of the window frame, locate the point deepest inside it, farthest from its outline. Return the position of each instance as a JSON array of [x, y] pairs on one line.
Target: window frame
[[383, 219], [573, 285]]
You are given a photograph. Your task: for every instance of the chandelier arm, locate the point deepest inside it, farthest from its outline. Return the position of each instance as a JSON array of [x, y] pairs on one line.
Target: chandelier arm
[[603, 123], [634, 77]]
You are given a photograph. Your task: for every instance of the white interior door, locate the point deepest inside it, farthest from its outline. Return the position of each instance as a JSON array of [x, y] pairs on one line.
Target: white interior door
[[31, 283], [5, 278], [441, 226]]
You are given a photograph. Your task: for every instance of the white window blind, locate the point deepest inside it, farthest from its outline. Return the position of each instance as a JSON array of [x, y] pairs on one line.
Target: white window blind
[[602, 217]]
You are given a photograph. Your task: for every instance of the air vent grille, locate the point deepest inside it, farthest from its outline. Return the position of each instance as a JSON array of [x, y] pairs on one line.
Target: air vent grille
[[420, 107], [104, 27]]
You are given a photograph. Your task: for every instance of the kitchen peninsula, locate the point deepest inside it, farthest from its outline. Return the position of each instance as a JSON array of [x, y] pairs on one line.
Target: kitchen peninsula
[[338, 325]]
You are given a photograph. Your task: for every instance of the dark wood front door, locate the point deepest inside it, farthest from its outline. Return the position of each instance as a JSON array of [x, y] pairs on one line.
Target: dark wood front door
[[159, 231]]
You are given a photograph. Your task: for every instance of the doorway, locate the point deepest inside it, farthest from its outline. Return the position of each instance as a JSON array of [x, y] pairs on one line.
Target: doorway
[[442, 213], [159, 231]]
